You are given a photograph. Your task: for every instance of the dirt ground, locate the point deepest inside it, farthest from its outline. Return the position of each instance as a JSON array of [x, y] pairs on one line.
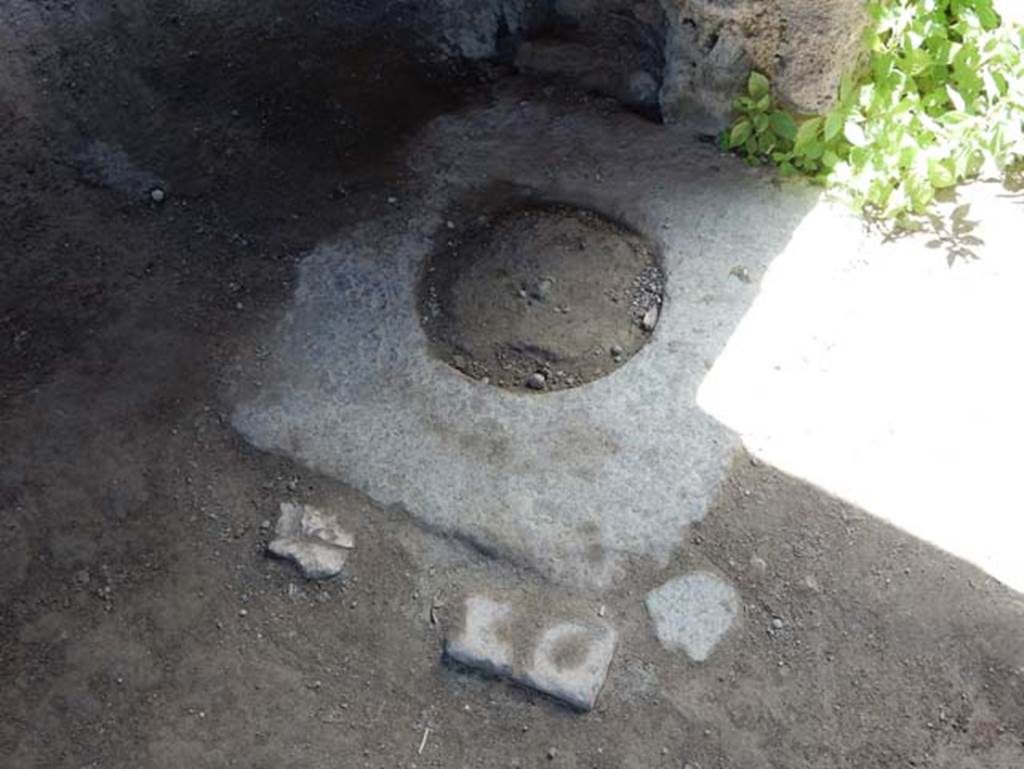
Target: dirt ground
[[508, 300], [141, 623]]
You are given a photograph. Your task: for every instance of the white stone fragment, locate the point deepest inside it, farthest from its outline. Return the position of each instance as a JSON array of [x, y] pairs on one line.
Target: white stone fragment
[[312, 539], [650, 319], [570, 662], [692, 612], [568, 659], [483, 643]]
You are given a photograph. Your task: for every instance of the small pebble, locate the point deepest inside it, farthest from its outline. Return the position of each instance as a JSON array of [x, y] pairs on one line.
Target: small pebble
[[777, 623], [616, 350], [157, 195], [551, 754], [742, 274], [243, 612], [536, 381], [650, 319], [543, 289]]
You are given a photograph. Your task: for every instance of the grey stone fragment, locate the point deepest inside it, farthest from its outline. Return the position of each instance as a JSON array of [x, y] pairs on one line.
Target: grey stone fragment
[[536, 381], [311, 539], [567, 659], [692, 612], [482, 641], [308, 522], [570, 662], [650, 319], [314, 559]]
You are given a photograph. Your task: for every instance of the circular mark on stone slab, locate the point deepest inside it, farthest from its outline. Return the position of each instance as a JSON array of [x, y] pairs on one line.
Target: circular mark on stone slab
[[540, 297]]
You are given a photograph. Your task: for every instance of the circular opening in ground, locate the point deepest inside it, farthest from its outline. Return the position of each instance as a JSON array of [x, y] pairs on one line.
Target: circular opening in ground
[[540, 297]]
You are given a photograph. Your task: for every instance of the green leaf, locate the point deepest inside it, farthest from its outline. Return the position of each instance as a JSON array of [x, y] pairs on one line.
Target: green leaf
[[806, 134], [783, 125], [940, 175], [989, 18], [813, 150], [940, 100], [845, 89], [758, 85], [740, 133], [833, 125]]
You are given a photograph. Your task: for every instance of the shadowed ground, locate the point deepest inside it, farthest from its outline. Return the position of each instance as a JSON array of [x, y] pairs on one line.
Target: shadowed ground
[[140, 621]]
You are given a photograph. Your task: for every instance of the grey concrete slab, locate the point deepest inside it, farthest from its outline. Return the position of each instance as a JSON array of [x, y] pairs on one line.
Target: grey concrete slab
[[571, 484]]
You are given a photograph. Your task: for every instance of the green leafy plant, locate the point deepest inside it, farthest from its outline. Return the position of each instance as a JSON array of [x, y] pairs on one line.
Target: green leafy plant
[[940, 100]]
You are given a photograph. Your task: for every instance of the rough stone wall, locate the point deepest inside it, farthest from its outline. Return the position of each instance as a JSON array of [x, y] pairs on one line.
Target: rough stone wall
[[610, 46], [686, 58], [680, 59], [476, 29], [804, 46]]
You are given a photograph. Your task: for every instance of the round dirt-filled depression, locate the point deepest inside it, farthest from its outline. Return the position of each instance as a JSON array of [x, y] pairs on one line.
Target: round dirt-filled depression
[[540, 297]]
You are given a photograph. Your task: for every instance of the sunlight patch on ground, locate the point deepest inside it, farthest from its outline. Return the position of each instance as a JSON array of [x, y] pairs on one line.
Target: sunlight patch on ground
[[892, 378]]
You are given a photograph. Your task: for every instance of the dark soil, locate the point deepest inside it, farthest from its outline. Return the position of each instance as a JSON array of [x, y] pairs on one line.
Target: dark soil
[[141, 623], [540, 289]]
